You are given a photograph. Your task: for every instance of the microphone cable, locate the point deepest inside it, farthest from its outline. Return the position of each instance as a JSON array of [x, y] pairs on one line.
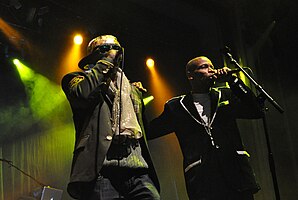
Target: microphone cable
[[120, 110]]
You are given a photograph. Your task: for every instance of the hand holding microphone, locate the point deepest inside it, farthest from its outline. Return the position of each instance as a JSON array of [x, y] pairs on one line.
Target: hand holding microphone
[[112, 60], [224, 74]]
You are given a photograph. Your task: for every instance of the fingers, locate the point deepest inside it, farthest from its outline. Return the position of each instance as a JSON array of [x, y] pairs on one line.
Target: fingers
[[223, 71], [139, 86], [223, 75], [220, 73]]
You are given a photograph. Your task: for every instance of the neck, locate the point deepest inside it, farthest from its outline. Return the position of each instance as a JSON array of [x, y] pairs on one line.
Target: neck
[[201, 86], [200, 90]]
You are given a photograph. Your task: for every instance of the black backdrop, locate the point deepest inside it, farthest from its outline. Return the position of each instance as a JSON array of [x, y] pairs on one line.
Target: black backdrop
[[261, 35]]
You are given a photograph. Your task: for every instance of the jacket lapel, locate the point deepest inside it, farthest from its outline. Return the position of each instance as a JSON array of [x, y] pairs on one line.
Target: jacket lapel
[[214, 98], [189, 106]]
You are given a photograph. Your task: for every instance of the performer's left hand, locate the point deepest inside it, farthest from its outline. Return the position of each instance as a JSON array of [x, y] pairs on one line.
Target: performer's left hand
[[139, 86]]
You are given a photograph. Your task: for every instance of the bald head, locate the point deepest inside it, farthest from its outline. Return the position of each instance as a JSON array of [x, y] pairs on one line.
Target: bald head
[[199, 72], [195, 62]]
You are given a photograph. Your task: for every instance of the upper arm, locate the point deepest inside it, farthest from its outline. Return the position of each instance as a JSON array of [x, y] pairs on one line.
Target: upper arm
[[161, 125], [82, 89]]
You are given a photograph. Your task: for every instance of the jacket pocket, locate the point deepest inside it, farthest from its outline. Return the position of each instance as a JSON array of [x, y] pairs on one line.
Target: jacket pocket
[[190, 166], [248, 180], [81, 144], [242, 152]]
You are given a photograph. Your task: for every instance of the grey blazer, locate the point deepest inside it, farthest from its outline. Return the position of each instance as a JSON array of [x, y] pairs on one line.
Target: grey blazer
[[86, 93]]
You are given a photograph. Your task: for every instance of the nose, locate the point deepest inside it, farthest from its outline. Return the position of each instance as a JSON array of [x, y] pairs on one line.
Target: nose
[[211, 69]]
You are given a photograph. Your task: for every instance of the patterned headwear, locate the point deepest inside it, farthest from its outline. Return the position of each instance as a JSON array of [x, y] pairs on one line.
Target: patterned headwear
[[91, 54]]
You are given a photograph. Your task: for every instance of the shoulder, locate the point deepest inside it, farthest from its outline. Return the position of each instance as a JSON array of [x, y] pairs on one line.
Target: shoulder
[[175, 99], [73, 74], [224, 93], [225, 89], [72, 78]]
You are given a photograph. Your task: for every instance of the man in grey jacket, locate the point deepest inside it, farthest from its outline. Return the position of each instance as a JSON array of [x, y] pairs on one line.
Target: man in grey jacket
[[111, 158]]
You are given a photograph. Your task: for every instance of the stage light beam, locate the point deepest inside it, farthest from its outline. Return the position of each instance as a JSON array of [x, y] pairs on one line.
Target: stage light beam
[[70, 58], [44, 96], [12, 34], [158, 87], [25, 72]]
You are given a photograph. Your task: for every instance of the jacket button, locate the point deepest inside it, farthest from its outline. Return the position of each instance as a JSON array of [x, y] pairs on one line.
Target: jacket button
[[109, 137]]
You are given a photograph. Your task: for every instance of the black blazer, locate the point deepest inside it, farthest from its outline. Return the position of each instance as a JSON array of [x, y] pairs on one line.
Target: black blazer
[[227, 104], [86, 93]]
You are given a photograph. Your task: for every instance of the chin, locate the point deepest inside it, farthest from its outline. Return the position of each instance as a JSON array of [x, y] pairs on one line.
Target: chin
[[211, 83]]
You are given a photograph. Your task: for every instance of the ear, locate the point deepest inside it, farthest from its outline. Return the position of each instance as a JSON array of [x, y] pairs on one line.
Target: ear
[[189, 75]]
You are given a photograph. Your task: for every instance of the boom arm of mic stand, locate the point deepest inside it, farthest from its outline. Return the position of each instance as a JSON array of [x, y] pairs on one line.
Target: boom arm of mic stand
[[263, 94]]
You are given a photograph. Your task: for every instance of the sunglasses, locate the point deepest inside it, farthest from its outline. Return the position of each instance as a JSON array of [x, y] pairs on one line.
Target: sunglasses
[[107, 47]]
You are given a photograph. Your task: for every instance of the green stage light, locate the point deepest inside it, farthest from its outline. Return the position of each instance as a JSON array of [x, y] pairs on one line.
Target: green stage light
[[25, 72], [16, 61], [148, 99], [44, 95]]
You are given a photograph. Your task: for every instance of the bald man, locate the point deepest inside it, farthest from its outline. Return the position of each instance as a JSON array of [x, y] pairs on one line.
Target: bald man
[[216, 164]]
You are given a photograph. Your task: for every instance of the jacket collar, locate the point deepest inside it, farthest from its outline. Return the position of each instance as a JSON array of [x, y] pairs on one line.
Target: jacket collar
[[188, 103]]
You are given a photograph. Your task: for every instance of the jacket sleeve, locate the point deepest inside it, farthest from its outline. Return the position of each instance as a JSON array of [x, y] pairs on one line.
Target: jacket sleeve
[[243, 101], [162, 125], [82, 88]]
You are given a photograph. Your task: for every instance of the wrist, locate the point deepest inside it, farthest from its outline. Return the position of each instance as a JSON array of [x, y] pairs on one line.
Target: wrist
[[104, 65], [233, 80]]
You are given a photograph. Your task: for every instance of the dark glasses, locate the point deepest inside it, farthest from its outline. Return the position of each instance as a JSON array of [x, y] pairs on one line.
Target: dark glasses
[[107, 47]]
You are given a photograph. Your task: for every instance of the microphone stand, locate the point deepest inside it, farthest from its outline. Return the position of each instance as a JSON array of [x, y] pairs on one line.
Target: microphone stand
[[262, 97], [12, 165]]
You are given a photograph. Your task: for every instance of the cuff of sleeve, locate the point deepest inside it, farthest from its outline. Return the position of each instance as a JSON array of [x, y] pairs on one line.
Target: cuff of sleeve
[[233, 80], [106, 62], [104, 65], [237, 84]]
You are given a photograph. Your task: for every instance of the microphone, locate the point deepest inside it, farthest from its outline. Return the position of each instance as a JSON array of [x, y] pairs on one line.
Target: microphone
[[233, 71], [225, 77], [237, 70]]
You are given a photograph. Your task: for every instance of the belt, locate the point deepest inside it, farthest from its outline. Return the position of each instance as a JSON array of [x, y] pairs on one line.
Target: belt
[[122, 172], [125, 140], [121, 147]]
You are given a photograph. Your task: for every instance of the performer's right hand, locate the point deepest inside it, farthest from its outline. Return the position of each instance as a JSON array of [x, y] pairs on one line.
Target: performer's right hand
[[222, 74]]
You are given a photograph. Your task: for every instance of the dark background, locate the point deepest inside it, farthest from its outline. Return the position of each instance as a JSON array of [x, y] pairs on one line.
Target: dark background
[[261, 34]]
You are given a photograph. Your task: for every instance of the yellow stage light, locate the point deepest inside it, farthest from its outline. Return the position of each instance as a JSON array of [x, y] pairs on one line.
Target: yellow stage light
[[150, 63], [78, 39], [10, 32]]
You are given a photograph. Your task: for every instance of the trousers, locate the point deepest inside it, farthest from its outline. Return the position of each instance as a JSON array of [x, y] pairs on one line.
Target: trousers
[[130, 184]]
